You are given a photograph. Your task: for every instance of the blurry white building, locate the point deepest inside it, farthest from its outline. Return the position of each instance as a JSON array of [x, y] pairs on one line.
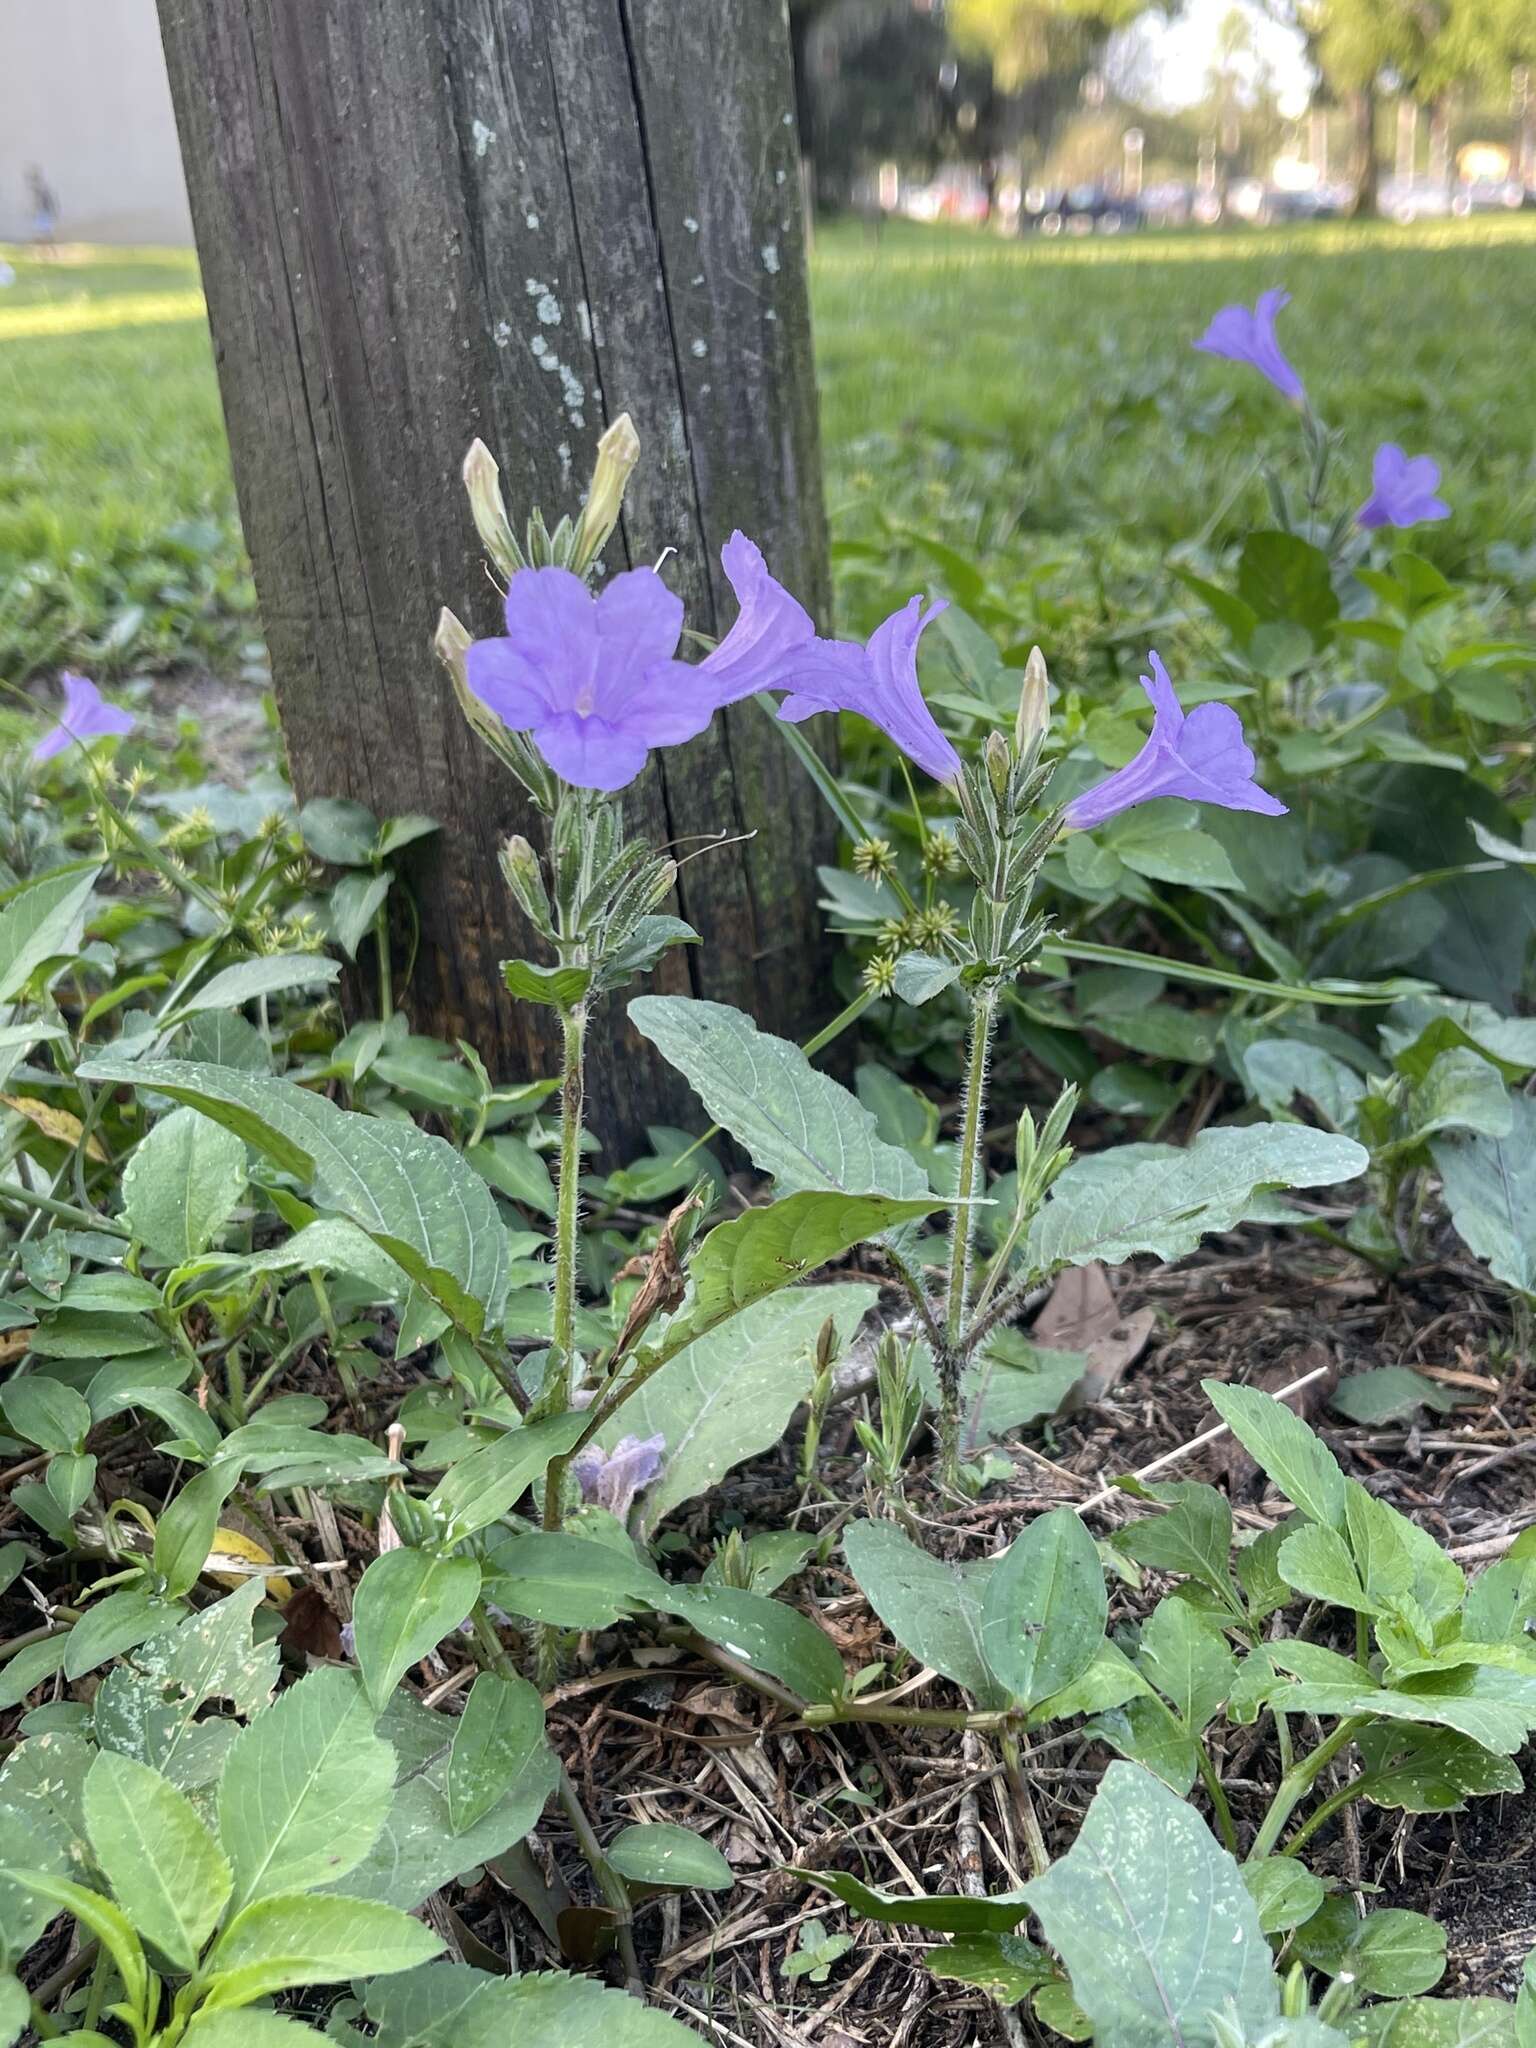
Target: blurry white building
[[84, 101]]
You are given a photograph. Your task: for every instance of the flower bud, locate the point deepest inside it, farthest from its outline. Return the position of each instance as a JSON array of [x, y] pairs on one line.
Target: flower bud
[[482, 480], [999, 764], [617, 453], [1034, 716], [520, 866]]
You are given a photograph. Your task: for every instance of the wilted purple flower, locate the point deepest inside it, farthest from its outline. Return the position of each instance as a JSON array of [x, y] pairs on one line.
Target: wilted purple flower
[[1202, 757], [611, 1479], [1402, 490], [1247, 335], [880, 683], [86, 716], [593, 679]]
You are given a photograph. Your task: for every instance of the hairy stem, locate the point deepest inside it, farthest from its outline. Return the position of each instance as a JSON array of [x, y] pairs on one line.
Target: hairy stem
[[950, 1360]]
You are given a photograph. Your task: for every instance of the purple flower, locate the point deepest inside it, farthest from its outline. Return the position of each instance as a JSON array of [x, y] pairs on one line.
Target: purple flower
[[1402, 490], [593, 679], [771, 630], [1245, 336], [611, 1479], [1202, 757], [85, 717], [880, 683]]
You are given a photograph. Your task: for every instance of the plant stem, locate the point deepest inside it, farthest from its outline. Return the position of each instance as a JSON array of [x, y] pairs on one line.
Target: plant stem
[[950, 1360], [556, 1397], [1218, 1797], [1320, 1815], [1024, 1804], [1298, 1782], [963, 1231], [608, 1880], [381, 947]]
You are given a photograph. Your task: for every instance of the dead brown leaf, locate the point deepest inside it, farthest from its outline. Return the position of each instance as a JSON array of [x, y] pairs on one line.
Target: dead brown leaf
[[1083, 1315]]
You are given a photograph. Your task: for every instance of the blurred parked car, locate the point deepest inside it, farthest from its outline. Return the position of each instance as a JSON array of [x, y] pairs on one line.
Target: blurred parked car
[[1410, 199], [1165, 205], [1491, 195], [1081, 210]]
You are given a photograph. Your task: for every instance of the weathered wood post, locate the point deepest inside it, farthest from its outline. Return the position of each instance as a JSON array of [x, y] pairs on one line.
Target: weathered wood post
[[423, 220]]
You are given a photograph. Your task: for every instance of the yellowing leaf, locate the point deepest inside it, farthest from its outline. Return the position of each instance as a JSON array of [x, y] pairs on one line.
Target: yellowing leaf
[[231, 1547], [53, 1123]]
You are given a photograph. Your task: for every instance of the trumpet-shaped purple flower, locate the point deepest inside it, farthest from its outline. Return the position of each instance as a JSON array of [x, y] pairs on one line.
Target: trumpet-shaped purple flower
[[880, 683], [1201, 756], [1245, 334], [611, 1479], [773, 642], [1403, 490], [593, 679], [86, 716]]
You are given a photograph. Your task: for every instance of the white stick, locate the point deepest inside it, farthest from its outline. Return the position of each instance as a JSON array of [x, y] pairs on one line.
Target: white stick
[[1196, 1443]]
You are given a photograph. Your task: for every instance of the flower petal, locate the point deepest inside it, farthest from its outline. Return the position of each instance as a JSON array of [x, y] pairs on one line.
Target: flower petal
[[552, 621], [669, 703], [637, 612], [769, 623], [589, 752], [1168, 714], [508, 684]]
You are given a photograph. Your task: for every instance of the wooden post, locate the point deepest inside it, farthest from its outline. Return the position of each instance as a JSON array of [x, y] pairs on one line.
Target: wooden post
[[423, 220]]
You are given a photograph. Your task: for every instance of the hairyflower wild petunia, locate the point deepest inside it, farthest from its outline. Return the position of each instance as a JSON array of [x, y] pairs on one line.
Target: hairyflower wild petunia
[[880, 683], [1403, 490], [611, 1479], [86, 716], [1200, 756], [1246, 334], [594, 680]]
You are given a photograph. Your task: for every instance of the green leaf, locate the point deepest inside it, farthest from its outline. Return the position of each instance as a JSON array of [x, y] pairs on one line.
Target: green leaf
[[406, 1602], [1186, 1657], [1284, 578], [796, 1123], [730, 1394], [1194, 1536], [764, 1250], [1461, 1092], [15, 2009], [311, 1939], [45, 1412], [185, 1531], [1044, 1611], [161, 1862], [44, 921], [270, 974], [1495, 1708], [353, 906], [412, 1194], [449, 2005], [1164, 1199], [1438, 2023], [1280, 1069], [29, 1667], [417, 1851], [107, 1922], [920, 977], [1316, 1561], [1389, 1393], [935, 1914], [306, 1789], [183, 1184], [1390, 1954], [339, 831], [1162, 853], [1285, 1892], [501, 1726], [1154, 1923], [1430, 1770], [1282, 1445], [657, 1853], [119, 1622], [1489, 1186], [1005, 1966], [558, 987], [568, 1580], [249, 2030], [931, 1607], [479, 1489], [511, 1166], [766, 1634]]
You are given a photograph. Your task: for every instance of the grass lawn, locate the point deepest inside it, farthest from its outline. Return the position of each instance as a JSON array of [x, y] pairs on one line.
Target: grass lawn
[[1036, 406]]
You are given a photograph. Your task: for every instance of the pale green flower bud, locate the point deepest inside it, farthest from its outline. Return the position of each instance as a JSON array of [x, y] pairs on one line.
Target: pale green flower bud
[[617, 453], [1034, 716], [999, 764], [482, 480], [520, 866]]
